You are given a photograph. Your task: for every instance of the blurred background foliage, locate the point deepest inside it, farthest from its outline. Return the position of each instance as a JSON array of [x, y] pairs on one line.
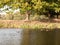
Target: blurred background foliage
[[32, 9]]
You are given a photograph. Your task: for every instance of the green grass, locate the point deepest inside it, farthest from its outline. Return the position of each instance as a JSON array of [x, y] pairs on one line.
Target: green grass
[[27, 26]]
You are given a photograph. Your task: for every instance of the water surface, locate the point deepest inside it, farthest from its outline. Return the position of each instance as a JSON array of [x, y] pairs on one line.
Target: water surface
[[10, 36]]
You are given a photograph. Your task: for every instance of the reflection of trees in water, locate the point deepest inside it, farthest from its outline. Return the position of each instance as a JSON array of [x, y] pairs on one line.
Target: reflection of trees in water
[[35, 37], [26, 37]]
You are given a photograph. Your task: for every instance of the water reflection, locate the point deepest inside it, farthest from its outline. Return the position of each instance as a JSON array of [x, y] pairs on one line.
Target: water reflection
[[29, 37], [37, 37]]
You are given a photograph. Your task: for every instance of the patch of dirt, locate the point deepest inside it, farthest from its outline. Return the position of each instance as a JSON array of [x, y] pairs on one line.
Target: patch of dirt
[[57, 21]]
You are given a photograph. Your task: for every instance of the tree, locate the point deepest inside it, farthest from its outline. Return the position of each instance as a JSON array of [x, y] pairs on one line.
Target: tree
[[37, 6]]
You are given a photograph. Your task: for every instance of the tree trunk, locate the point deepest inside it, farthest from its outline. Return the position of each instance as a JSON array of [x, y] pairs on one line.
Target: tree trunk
[[27, 17], [57, 16], [49, 15]]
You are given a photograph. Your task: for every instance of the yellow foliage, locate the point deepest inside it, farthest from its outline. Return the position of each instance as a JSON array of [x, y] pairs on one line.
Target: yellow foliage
[[5, 1]]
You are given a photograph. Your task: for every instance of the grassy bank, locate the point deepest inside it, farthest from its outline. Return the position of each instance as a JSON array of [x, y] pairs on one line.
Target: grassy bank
[[28, 24]]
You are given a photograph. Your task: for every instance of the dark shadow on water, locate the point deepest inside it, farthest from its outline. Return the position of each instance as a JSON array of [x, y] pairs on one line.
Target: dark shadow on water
[[39, 37]]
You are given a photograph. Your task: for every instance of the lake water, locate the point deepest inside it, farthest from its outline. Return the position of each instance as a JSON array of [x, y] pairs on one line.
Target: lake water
[[10, 36], [29, 37]]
